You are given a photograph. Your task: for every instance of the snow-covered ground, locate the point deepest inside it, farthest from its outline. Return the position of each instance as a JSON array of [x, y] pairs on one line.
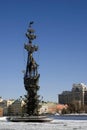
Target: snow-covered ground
[[3, 118], [56, 124]]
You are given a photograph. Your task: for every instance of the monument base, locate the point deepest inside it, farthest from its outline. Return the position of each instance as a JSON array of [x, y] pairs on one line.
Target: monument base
[[30, 119]]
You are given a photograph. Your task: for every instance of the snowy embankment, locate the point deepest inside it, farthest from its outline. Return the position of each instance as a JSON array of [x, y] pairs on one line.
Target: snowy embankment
[[56, 124], [3, 118]]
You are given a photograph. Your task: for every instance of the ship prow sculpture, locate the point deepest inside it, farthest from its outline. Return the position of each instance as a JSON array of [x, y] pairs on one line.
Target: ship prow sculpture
[[31, 83]]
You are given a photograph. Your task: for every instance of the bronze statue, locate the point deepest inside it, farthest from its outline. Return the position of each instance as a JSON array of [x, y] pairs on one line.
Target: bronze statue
[[31, 76]]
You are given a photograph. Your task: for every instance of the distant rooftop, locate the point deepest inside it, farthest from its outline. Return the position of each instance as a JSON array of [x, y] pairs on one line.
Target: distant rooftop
[[79, 87]]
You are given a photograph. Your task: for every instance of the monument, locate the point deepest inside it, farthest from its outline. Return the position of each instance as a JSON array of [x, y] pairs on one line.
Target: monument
[[31, 83], [31, 77]]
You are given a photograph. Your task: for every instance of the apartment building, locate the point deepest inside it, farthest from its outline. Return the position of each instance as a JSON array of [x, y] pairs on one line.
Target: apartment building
[[77, 94], [15, 108]]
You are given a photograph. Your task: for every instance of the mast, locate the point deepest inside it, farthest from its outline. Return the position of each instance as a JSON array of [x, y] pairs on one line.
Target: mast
[[31, 77]]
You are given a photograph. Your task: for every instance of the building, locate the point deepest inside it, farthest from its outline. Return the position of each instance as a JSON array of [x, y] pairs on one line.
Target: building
[[60, 107], [48, 108], [11, 107], [9, 102], [15, 108], [1, 99], [3, 107], [1, 112], [78, 94]]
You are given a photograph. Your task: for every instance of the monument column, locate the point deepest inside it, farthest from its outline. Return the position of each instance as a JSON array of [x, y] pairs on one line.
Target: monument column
[[31, 76]]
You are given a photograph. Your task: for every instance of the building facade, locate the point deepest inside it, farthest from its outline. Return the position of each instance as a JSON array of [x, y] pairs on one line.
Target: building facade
[[15, 108], [48, 108], [1, 112], [3, 107], [78, 94], [11, 107]]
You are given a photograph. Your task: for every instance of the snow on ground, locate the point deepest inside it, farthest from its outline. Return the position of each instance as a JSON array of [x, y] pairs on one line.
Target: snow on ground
[[3, 118], [54, 125]]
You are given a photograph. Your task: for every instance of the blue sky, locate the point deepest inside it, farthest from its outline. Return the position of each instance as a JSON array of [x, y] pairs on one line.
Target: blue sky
[[61, 28]]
